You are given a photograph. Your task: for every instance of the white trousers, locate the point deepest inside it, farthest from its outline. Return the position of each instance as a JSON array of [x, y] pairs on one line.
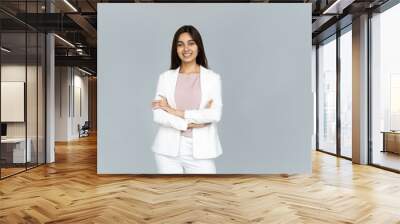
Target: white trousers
[[184, 163]]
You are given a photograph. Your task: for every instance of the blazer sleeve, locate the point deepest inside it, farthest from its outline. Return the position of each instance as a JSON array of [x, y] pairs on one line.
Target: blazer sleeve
[[164, 118], [210, 115]]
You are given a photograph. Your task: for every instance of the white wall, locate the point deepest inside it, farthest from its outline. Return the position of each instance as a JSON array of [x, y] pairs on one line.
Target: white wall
[[69, 82], [61, 103], [12, 73], [79, 117]]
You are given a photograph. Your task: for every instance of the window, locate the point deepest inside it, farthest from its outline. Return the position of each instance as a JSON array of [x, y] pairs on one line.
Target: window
[[327, 96], [385, 88], [346, 93]]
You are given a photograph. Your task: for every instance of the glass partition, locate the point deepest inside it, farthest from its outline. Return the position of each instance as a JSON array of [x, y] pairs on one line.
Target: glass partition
[[22, 78], [41, 107], [32, 95], [14, 153]]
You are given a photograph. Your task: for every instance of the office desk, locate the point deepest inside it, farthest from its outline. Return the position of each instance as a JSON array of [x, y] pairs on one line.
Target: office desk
[[391, 141], [15, 148]]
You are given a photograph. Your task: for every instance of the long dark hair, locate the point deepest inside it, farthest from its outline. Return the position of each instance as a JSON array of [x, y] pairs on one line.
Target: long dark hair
[[201, 58]]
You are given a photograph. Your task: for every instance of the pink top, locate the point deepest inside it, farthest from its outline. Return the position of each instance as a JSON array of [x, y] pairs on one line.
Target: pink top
[[188, 94]]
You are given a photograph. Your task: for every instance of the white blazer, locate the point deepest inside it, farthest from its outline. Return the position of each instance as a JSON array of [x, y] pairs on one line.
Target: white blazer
[[206, 143]]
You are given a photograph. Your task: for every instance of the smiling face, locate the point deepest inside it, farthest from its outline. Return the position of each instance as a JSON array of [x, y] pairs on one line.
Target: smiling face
[[187, 48]]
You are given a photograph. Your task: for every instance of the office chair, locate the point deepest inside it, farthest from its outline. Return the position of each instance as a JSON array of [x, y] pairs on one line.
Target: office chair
[[84, 130]]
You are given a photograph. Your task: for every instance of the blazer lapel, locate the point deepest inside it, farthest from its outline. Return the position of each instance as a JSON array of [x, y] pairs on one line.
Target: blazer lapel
[[173, 79], [203, 86]]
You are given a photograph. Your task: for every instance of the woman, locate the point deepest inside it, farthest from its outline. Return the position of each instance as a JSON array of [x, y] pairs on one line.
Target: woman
[[187, 107]]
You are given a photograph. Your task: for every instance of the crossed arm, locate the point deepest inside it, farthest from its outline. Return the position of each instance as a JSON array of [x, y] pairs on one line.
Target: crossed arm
[[165, 115], [163, 104]]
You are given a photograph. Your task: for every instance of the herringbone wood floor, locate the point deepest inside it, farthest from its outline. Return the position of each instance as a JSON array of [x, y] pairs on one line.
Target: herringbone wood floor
[[70, 191]]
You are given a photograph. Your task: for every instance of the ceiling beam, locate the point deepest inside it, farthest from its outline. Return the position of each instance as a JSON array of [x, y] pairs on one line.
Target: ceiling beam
[[85, 25], [85, 61]]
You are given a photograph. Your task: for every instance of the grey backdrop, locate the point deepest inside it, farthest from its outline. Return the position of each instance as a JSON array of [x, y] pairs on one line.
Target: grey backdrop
[[261, 51]]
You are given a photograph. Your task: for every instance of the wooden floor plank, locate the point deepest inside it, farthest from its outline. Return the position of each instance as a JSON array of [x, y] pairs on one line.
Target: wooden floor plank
[[70, 191]]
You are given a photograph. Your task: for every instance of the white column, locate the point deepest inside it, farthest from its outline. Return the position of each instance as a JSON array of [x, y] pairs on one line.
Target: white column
[[50, 110], [50, 92], [360, 90]]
